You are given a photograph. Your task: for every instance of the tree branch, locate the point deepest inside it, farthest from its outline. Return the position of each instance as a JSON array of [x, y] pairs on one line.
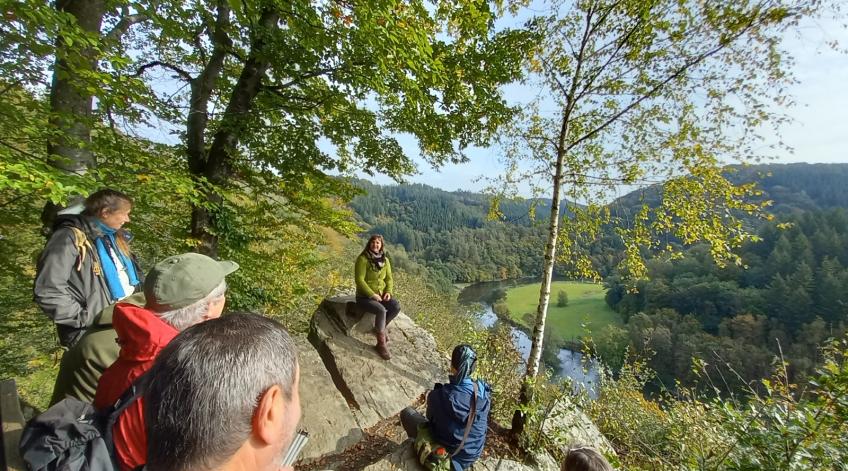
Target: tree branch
[[313, 74], [593, 76], [659, 86], [124, 24], [182, 73], [201, 90]]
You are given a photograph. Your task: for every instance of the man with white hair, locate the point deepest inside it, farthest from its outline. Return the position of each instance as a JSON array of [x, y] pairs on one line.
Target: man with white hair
[[223, 395], [180, 291]]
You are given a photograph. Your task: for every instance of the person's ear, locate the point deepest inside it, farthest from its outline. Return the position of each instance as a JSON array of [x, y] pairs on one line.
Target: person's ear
[[269, 415]]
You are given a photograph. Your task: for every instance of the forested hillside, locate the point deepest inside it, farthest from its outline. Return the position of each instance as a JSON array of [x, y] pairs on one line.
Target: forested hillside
[[451, 233], [790, 295]]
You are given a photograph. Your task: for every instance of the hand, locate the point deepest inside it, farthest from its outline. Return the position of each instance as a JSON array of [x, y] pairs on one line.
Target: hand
[[376, 297], [387, 296]]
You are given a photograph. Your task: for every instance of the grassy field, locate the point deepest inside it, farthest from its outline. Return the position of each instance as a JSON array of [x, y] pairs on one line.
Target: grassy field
[[586, 308]]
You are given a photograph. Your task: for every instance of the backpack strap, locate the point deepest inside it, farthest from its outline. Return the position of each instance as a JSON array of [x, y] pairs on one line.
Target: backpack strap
[[470, 420], [111, 414], [84, 246]]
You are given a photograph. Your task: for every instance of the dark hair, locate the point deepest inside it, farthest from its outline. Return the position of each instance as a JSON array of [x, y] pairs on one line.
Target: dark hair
[[105, 200], [374, 237], [204, 387], [585, 458], [464, 360], [109, 200]]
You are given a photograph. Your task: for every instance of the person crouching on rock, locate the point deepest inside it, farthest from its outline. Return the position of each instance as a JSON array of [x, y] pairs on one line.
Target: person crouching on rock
[[457, 412], [374, 284]]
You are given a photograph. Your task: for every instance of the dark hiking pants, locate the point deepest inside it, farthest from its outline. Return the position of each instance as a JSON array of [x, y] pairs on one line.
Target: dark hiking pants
[[384, 310], [410, 419]]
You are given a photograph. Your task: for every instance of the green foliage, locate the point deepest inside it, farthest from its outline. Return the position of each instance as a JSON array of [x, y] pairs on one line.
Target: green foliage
[[499, 363], [645, 92], [786, 427], [29, 348], [634, 91]]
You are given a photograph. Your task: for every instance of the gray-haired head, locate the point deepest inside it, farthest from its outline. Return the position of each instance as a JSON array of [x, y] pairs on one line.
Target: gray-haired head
[[185, 317], [206, 384]]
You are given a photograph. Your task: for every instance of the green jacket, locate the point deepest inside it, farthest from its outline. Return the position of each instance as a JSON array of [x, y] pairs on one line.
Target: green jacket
[[370, 281], [83, 364]]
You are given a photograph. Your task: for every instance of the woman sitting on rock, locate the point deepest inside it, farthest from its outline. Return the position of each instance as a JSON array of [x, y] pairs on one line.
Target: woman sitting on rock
[[374, 283], [457, 412]]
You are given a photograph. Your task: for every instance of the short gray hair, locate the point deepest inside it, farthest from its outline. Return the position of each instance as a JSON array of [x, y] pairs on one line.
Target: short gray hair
[[185, 317], [205, 386]]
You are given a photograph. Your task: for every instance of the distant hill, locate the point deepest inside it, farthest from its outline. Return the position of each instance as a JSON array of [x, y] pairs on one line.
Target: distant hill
[[450, 233], [800, 186], [792, 188]]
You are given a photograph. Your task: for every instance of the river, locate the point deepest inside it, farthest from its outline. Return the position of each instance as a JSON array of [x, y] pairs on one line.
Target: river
[[584, 375]]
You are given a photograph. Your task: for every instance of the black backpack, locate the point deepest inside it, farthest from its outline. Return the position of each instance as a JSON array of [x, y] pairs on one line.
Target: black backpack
[[74, 436]]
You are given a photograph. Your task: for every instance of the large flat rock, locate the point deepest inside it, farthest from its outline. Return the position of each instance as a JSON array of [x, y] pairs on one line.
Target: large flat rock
[[500, 464], [404, 459], [374, 388], [326, 415], [568, 426]]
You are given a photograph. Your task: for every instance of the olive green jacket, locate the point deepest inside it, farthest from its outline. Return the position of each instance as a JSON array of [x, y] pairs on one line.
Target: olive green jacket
[[370, 281], [83, 364]]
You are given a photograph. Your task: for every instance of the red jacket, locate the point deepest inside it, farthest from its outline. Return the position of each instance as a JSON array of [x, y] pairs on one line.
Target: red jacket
[[142, 335]]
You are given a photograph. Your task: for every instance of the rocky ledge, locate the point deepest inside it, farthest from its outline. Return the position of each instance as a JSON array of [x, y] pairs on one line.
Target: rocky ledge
[[346, 389]]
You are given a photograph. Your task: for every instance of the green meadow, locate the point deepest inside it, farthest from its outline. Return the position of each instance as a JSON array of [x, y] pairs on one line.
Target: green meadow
[[586, 310]]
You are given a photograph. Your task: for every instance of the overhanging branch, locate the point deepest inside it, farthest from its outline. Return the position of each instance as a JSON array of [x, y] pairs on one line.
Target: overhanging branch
[[124, 24], [182, 73]]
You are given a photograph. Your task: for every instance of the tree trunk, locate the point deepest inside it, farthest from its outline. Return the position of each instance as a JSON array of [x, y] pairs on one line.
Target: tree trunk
[[519, 419], [70, 104], [216, 168]]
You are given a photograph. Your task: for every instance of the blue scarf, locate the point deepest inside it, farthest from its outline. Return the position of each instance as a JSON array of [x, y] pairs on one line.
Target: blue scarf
[[110, 271]]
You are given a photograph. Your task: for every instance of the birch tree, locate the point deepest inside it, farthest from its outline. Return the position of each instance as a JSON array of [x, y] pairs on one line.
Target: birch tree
[[634, 92]]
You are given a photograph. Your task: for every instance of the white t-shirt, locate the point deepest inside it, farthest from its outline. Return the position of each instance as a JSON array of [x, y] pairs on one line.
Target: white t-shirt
[[122, 274]]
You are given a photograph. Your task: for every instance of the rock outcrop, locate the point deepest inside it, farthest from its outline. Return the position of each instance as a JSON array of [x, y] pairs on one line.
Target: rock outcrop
[[374, 388], [326, 416], [404, 459], [346, 389], [568, 426]]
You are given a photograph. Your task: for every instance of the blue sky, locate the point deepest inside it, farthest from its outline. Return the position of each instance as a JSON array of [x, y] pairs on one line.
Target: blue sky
[[818, 133]]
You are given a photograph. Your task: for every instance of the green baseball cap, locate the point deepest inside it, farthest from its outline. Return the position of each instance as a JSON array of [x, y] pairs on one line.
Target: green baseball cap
[[183, 280]]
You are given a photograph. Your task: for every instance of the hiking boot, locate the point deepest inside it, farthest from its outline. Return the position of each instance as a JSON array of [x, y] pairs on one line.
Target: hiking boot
[[375, 332], [381, 348]]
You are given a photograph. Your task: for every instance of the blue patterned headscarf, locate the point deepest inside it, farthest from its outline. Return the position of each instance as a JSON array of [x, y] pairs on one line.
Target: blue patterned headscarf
[[464, 360]]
